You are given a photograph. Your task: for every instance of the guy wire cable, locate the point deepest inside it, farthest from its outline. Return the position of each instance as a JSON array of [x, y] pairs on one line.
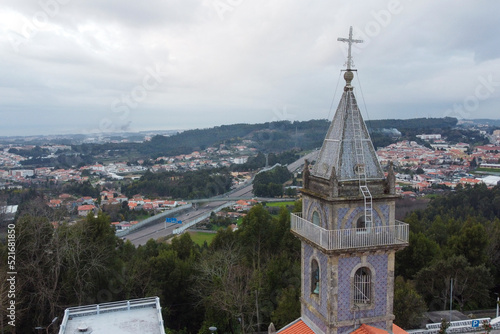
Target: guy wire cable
[[334, 94]]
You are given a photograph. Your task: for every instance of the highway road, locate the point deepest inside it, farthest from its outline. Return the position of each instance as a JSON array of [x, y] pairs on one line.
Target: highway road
[[162, 229], [158, 230], [297, 165]]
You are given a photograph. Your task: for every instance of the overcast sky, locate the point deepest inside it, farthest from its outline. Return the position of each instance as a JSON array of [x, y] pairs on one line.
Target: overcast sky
[[83, 66]]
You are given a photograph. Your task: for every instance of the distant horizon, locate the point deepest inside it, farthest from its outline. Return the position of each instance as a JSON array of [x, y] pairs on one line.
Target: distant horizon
[[130, 132]]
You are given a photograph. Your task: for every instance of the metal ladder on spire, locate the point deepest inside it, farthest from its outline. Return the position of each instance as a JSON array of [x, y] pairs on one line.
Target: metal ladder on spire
[[360, 161]]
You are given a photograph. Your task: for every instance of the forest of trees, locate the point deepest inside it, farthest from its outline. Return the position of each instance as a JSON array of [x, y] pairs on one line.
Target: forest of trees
[[259, 161], [187, 185], [270, 183], [270, 137], [246, 279], [414, 123], [64, 160], [240, 283], [457, 237], [57, 268]]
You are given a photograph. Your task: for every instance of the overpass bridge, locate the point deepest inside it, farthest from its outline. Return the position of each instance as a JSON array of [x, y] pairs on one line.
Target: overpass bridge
[[235, 199], [148, 227]]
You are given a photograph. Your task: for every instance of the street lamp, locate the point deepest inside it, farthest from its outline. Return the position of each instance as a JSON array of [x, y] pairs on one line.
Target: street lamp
[[53, 321], [212, 329], [46, 328]]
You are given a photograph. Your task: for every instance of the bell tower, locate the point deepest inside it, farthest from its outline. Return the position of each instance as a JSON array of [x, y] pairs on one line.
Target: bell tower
[[348, 232]]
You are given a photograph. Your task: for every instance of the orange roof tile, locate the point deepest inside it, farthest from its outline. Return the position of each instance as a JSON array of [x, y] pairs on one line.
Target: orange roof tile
[[86, 207], [398, 330], [366, 329], [297, 327]]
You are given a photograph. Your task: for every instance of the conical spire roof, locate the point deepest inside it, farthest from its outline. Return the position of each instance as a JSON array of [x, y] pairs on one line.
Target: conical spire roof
[[347, 145]]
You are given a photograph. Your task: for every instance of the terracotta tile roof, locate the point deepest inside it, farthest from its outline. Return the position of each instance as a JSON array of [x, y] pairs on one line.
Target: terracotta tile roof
[[86, 207], [366, 329], [296, 327], [398, 330]]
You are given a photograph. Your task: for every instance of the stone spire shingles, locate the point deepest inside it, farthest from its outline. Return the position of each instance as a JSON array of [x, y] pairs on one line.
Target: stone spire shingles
[[339, 151]]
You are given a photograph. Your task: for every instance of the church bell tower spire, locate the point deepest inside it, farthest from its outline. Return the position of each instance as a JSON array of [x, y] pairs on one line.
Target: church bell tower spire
[[347, 227]]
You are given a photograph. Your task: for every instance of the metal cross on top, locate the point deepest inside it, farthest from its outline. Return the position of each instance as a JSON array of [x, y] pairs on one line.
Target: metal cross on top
[[349, 41]]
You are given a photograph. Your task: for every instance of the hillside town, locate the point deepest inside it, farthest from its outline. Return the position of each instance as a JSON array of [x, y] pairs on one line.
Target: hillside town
[[442, 163], [111, 176], [435, 166]]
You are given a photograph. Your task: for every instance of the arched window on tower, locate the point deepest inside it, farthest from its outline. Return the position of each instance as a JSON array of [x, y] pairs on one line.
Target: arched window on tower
[[314, 277], [362, 286], [316, 218], [361, 224]]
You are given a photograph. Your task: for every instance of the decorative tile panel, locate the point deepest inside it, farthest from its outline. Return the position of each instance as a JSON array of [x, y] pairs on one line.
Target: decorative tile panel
[[379, 263], [314, 206], [376, 217], [351, 223], [345, 330], [340, 216], [326, 215], [306, 279], [380, 324], [305, 203], [346, 265], [385, 209], [321, 325], [323, 264]]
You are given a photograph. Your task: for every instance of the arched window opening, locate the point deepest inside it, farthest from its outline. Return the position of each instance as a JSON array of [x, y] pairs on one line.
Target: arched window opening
[[314, 277], [316, 218], [361, 224], [362, 286]]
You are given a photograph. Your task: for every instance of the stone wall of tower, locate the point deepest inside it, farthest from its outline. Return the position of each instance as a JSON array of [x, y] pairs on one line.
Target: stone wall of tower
[[332, 188], [380, 312], [315, 306], [347, 215], [333, 310], [343, 215], [378, 265]]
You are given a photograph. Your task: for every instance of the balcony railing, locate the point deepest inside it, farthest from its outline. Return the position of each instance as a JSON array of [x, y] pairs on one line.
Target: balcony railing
[[396, 234]]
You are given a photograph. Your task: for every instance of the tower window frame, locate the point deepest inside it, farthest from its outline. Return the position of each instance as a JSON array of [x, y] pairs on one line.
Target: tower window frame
[[315, 277], [361, 226], [362, 286], [316, 219]]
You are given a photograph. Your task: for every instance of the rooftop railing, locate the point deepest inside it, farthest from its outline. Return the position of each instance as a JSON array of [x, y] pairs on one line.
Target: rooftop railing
[[374, 236], [126, 305]]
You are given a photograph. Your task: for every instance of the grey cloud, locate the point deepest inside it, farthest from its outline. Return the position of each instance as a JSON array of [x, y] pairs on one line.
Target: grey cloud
[[239, 67]]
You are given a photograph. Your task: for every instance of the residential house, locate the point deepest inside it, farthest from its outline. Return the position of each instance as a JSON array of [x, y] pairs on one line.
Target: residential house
[[84, 210]]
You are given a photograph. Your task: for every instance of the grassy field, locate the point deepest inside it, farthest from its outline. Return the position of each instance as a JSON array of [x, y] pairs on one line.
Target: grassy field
[[142, 217], [280, 203], [239, 221], [200, 237], [491, 170]]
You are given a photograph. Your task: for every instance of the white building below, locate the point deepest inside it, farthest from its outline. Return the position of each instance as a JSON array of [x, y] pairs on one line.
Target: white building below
[[124, 317]]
